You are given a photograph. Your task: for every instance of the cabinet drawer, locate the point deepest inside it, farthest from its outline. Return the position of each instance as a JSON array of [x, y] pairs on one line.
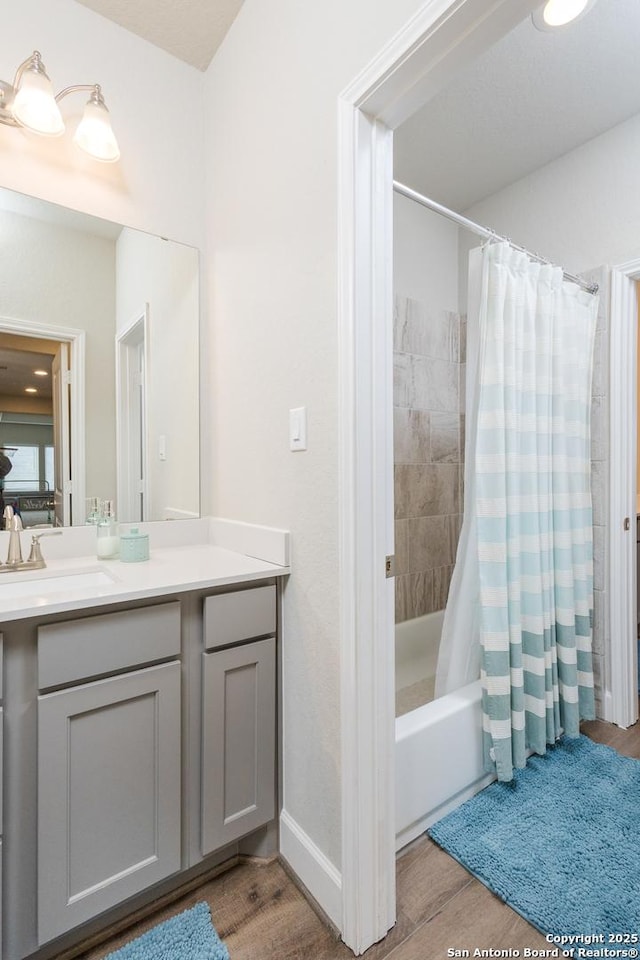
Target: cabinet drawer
[[79, 649], [233, 617]]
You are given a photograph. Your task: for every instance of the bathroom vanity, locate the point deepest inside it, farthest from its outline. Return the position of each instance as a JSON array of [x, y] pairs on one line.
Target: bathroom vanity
[[139, 733]]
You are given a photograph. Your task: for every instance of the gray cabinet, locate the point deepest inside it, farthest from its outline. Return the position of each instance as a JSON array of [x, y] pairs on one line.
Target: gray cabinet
[[238, 741], [108, 793], [140, 745]]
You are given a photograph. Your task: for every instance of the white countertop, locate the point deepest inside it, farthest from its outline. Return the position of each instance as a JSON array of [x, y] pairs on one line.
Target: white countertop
[[169, 570]]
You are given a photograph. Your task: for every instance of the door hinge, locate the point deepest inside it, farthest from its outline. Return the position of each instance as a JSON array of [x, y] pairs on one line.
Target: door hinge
[[627, 523], [390, 566], [67, 377]]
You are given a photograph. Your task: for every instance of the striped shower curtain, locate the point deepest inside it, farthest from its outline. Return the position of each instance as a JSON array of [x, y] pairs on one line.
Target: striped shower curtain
[[532, 505]]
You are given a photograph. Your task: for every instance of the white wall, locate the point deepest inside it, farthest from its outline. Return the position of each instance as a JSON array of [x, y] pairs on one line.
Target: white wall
[[56, 276], [271, 109], [580, 211], [165, 275], [425, 256]]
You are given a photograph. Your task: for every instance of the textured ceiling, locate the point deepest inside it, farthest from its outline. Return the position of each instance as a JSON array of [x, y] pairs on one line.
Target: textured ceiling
[[531, 98], [191, 30], [16, 371]]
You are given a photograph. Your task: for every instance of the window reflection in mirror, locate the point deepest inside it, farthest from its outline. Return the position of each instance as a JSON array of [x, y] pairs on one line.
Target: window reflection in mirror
[[110, 315]]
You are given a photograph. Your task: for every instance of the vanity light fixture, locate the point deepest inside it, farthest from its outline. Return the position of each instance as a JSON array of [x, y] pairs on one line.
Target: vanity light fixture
[[557, 13], [30, 102]]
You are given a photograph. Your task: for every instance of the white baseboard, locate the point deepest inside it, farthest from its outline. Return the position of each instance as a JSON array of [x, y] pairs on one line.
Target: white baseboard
[[312, 867]]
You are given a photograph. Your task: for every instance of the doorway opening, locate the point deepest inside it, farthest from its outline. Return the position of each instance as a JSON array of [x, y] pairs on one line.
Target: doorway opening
[[42, 421], [440, 42], [27, 428]]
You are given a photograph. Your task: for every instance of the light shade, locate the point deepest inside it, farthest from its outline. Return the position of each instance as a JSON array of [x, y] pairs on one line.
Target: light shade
[[34, 105], [94, 134]]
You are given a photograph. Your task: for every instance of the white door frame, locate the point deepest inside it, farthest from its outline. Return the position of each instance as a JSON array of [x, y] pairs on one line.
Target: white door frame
[[135, 332], [621, 662], [76, 340], [442, 37]]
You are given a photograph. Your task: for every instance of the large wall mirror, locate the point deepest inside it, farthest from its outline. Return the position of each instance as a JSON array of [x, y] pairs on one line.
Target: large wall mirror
[[99, 368]]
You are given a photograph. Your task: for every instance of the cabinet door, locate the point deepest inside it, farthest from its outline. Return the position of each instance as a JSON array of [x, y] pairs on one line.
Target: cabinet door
[[108, 793], [238, 761]]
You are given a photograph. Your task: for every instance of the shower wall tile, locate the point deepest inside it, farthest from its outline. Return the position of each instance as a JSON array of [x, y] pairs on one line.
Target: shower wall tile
[[599, 637], [441, 583], [416, 331], [598, 687], [454, 327], [599, 428], [445, 438], [414, 595], [425, 489], [598, 558], [455, 526], [411, 435], [401, 546], [430, 543], [599, 486], [462, 388], [600, 378], [402, 379], [428, 453], [600, 393], [434, 384]]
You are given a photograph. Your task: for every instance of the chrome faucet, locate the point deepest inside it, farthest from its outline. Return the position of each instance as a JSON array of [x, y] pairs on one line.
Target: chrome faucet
[[13, 523], [36, 560]]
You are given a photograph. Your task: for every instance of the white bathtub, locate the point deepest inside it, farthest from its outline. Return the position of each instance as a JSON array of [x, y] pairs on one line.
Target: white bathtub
[[417, 643], [438, 745]]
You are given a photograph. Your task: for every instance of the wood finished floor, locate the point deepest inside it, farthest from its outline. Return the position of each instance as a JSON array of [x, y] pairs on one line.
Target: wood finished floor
[[261, 915]]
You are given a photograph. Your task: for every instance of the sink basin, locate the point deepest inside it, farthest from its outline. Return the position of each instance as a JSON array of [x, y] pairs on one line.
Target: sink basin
[[44, 583]]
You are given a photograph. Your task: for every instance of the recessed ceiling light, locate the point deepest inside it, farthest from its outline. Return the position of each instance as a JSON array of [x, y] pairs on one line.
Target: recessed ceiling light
[[30, 390], [41, 373], [557, 13]]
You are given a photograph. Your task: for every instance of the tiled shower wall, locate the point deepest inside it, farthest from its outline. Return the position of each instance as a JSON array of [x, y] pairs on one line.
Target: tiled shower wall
[[599, 480], [428, 397]]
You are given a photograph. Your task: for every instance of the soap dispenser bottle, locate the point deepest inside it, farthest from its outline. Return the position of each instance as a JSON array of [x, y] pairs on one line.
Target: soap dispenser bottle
[[93, 510], [107, 533]]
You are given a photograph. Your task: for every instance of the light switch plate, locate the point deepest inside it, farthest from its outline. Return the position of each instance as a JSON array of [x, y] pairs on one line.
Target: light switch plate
[[298, 428]]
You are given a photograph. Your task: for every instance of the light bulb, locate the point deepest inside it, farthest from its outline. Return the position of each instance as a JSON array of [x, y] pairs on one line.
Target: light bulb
[[34, 105], [94, 134], [558, 12]]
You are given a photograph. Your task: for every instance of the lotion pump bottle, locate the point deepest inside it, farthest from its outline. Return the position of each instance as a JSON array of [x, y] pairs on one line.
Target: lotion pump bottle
[[107, 533]]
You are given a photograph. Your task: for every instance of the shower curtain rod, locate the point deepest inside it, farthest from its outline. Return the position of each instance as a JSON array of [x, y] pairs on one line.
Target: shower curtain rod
[[482, 231]]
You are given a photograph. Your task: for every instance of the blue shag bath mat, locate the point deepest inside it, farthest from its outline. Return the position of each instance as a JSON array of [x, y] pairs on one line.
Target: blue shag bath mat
[[187, 936], [560, 843]]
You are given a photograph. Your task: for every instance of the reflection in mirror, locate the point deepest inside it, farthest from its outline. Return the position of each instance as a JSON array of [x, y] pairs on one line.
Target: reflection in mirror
[[99, 360]]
